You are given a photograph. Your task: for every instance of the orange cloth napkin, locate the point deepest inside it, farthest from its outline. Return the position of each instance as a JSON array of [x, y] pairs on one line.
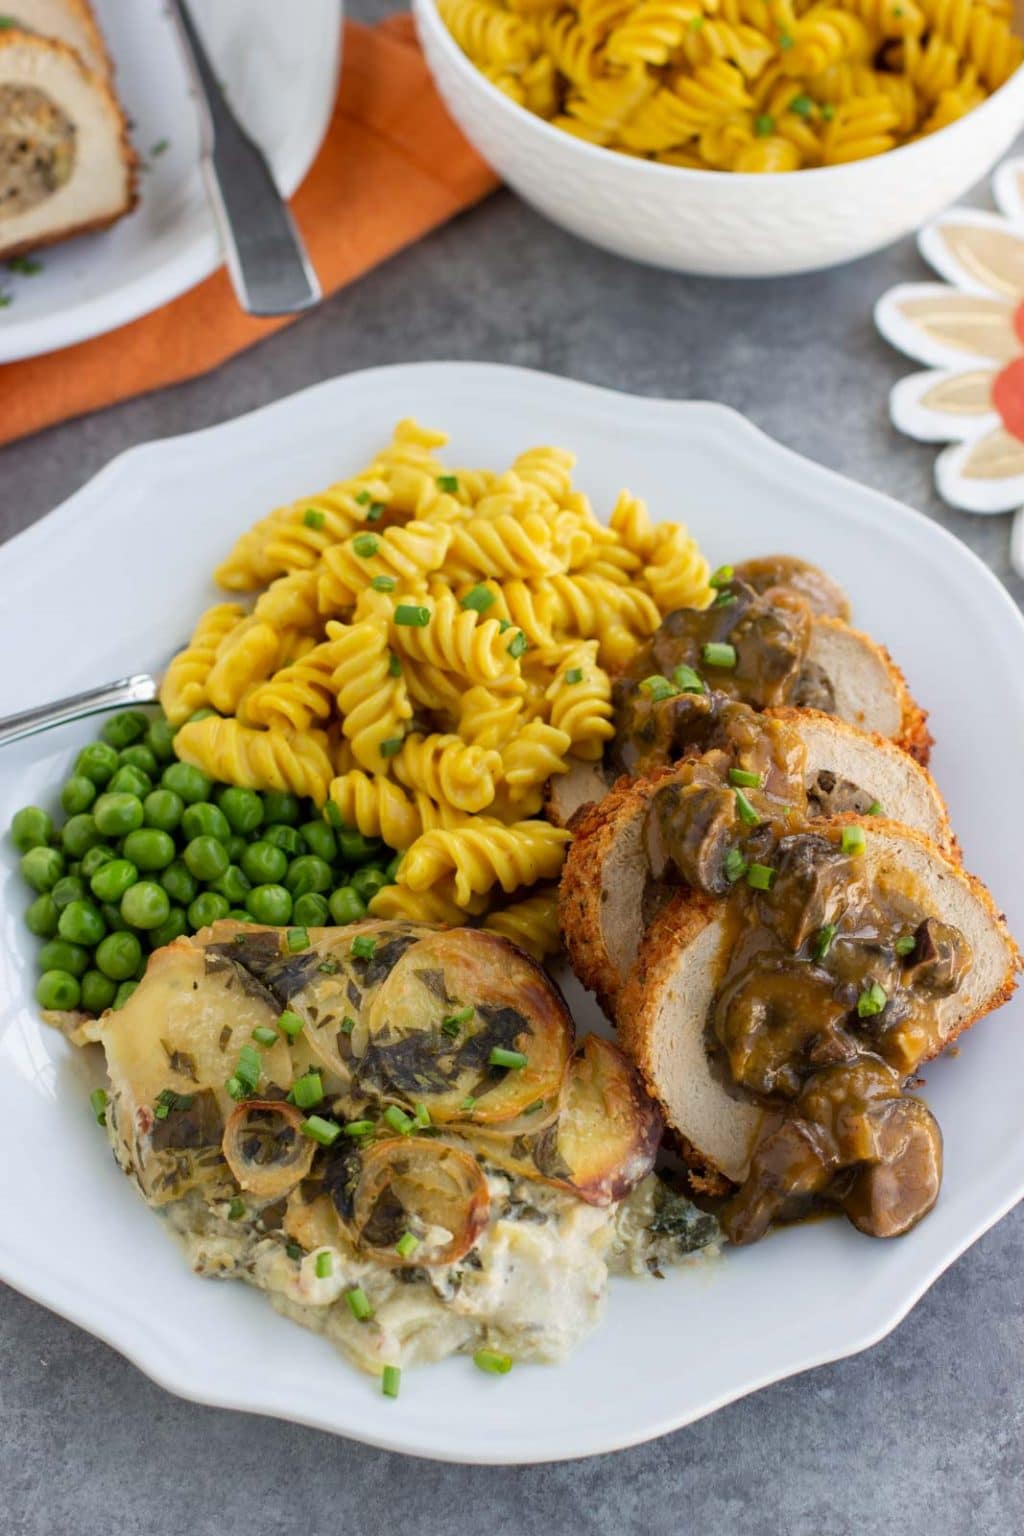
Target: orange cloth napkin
[[392, 167]]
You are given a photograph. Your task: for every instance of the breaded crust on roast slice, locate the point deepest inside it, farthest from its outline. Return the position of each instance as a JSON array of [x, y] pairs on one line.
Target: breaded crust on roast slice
[[568, 793], [606, 896], [870, 690], [664, 1006]]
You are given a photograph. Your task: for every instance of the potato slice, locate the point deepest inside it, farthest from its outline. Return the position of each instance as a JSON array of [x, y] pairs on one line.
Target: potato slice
[[265, 1149], [410, 1200]]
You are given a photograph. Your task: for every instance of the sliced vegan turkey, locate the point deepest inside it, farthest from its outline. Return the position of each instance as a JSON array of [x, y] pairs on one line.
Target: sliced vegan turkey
[[67, 21]]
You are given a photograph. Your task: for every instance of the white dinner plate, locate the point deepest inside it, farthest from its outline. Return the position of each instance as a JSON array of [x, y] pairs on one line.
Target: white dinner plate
[[111, 581], [279, 65]]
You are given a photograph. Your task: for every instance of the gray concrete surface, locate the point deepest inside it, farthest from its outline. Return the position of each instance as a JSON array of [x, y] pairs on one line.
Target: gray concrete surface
[[921, 1435]]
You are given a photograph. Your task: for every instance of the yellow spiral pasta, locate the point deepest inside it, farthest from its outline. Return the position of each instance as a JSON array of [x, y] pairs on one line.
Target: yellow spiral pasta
[[245, 657], [508, 545], [300, 694], [533, 756], [531, 923], [403, 554], [459, 640], [446, 769], [677, 576], [291, 761], [436, 905], [378, 807], [183, 690], [371, 695], [580, 701], [483, 854], [751, 86], [488, 719]]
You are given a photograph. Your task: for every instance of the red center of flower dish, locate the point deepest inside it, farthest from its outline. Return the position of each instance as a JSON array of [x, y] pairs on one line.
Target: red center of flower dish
[[1008, 394]]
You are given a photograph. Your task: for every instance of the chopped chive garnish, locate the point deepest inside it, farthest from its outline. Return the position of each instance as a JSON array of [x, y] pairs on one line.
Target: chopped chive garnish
[[365, 545], [297, 939], [658, 688], [469, 1103], [98, 1105], [744, 778], [363, 947], [744, 810], [384, 583], [398, 1120], [323, 1131], [531, 1109], [394, 665], [236, 1089], [785, 40], [724, 599], [329, 967], [412, 616], [359, 1304], [871, 1001], [375, 513], [454, 1021], [312, 518], [390, 1380], [392, 746], [308, 1090], [518, 645], [492, 1360], [25, 266], [853, 840], [293, 1250], [247, 1072], [764, 127], [718, 653], [689, 681], [761, 877], [449, 483], [289, 1023], [406, 1245], [515, 1061], [802, 105], [504, 624], [359, 1128], [362, 497], [905, 944], [422, 1116], [734, 865], [478, 598], [348, 1024], [823, 941], [828, 112], [324, 1266], [574, 675], [161, 147], [236, 1210], [265, 1036], [875, 808], [721, 577]]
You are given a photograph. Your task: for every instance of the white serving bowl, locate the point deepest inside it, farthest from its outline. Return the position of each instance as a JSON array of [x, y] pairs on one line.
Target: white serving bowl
[[720, 223]]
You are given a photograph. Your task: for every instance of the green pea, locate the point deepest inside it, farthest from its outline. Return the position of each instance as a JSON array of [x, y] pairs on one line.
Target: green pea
[[279, 806], [179, 883], [31, 828], [77, 794], [123, 993], [58, 990], [205, 820], [319, 839], [368, 881], [172, 928], [119, 954], [207, 908], [286, 838], [311, 910], [308, 873], [346, 905], [111, 881], [149, 849], [160, 740], [145, 905], [97, 992], [186, 781], [112, 917], [236, 845], [239, 915], [355, 848], [263, 863], [61, 955], [80, 833], [242, 807], [140, 757], [75, 867], [233, 884], [131, 781], [95, 859], [69, 888], [97, 762], [42, 868], [391, 869], [206, 858], [117, 813], [162, 809], [41, 917], [269, 904], [121, 730], [81, 922]]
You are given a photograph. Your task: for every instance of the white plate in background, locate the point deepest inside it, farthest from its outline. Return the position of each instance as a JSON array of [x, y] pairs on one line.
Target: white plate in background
[[110, 583], [279, 64]]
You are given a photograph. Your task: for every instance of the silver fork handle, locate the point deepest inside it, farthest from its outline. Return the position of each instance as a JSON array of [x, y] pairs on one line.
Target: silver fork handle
[[140, 689]]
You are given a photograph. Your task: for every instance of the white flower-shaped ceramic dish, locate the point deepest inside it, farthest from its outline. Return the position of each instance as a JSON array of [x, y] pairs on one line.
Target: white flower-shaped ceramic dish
[[668, 1351], [717, 222]]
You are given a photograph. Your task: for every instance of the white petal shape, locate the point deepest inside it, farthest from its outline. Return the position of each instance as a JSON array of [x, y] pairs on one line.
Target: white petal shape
[[985, 475], [978, 252], [945, 328], [943, 404]]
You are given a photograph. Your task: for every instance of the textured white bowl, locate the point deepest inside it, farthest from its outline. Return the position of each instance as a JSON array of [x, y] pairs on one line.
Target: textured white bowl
[[714, 222]]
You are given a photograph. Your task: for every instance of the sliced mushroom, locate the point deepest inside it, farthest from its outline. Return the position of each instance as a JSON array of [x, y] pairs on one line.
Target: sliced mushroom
[[769, 573], [429, 1189], [265, 1148]]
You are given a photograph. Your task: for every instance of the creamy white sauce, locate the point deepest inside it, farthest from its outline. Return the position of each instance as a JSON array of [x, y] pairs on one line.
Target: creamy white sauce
[[533, 1286]]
